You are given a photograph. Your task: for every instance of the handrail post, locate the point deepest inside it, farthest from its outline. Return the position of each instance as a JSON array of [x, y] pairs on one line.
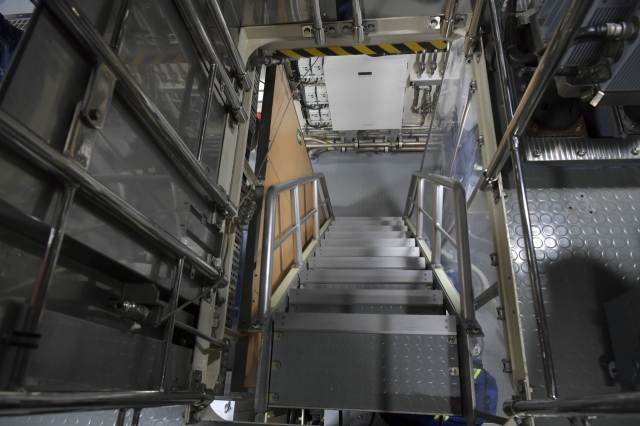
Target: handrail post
[[316, 215], [419, 219], [325, 191], [266, 260], [436, 240], [467, 309], [295, 204], [472, 35]]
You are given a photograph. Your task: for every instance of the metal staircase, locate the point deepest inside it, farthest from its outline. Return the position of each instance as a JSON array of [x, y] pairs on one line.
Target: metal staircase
[[365, 330], [362, 322]]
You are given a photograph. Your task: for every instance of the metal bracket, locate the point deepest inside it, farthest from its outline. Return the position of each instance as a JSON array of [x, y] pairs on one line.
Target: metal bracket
[[346, 27], [506, 366], [97, 101], [494, 259], [500, 316]]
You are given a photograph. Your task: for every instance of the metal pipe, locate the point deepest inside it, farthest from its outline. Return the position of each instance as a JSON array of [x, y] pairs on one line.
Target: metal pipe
[[35, 310], [295, 205], [170, 324], [419, 221], [446, 27], [141, 104], [194, 19], [284, 237], [318, 29], [234, 55], [25, 143], [24, 403], [456, 146], [423, 63], [436, 98], [394, 145], [623, 404], [135, 417], [206, 110], [534, 276], [424, 212], [121, 415], [436, 237], [358, 29], [416, 99], [121, 25], [562, 38], [446, 235], [472, 35], [316, 211], [215, 343]]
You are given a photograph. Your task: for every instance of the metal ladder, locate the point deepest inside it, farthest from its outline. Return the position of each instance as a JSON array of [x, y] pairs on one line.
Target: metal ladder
[[364, 329]]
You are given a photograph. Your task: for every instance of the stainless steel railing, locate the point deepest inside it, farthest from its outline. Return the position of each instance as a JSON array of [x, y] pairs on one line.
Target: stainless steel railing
[[469, 326], [269, 242], [460, 241]]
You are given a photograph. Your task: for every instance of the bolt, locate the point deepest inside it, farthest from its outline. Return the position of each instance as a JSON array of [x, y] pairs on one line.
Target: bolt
[[278, 335], [273, 397], [581, 153], [95, 114], [635, 151], [275, 365], [453, 371], [451, 340], [534, 128], [523, 87], [579, 128], [293, 308], [536, 153]]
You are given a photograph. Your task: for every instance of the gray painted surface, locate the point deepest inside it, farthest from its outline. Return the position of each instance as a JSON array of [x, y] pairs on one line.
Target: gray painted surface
[[366, 184], [585, 226]]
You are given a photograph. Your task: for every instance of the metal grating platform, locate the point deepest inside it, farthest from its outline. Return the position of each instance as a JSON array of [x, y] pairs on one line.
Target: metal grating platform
[[587, 240], [373, 372]]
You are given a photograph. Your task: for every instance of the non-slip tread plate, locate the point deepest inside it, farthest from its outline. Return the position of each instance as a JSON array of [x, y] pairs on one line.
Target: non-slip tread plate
[[365, 276], [366, 235], [367, 263], [373, 372], [367, 251], [299, 296], [384, 242]]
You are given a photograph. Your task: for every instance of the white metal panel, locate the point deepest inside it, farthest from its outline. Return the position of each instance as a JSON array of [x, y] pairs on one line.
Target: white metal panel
[[366, 92]]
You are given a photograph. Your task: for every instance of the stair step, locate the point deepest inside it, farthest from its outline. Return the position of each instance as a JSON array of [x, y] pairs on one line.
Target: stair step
[[356, 301], [366, 218], [381, 363], [367, 251], [366, 262], [368, 286], [365, 276], [432, 325], [369, 235], [346, 224], [307, 296], [384, 242], [373, 228]]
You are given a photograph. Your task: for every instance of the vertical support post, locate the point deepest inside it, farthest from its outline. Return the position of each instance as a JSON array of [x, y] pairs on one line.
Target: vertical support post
[[419, 218], [436, 240], [316, 215], [122, 413], [471, 39], [446, 28], [171, 322], [38, 299], [325, 191], [295, 204], [135, 418], [472, 89], [206, 109]]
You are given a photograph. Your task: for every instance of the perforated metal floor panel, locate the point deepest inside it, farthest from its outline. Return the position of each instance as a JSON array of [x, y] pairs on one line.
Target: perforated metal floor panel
[[585, 226], [371, 372]]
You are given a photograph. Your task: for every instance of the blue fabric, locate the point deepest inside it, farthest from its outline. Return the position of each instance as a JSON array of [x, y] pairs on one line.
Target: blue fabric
[[9, 38]]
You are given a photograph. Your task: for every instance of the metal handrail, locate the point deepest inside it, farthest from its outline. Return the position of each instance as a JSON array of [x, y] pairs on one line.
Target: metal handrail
[[234, 55], [269, 243], [467, 312], [619, 404]]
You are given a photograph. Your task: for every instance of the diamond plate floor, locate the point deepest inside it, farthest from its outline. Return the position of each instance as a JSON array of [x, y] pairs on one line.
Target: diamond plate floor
[[392, 373], [585, 225]]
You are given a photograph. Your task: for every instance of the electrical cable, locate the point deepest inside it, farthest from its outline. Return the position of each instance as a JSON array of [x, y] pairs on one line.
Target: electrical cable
[[510, 29]]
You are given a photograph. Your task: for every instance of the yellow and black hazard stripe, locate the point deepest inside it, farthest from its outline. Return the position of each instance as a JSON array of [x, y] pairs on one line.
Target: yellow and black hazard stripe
[[153, 59], [371, 50]]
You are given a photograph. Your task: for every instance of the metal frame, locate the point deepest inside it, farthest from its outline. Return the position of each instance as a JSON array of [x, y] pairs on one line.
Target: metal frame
[[169, 141], [241, 72], [468, 325]]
